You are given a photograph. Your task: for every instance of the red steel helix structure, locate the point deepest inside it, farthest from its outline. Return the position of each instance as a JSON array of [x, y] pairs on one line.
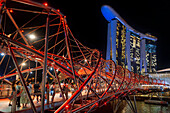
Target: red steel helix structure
[[96, 81]]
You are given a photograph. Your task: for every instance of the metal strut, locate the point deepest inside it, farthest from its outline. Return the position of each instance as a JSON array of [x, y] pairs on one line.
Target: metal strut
[[45, 65], [69, 50], [134, 109], [22, 78]]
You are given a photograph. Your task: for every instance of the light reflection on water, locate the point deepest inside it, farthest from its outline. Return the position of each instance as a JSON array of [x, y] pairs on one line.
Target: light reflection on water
[[141, 108], [147, 108]]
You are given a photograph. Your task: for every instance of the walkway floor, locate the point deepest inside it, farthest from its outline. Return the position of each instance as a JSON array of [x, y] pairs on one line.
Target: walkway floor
[[7, 109]]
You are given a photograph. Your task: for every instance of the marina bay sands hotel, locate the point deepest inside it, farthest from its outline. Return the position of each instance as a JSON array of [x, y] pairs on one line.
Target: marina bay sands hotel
[[128, 47]]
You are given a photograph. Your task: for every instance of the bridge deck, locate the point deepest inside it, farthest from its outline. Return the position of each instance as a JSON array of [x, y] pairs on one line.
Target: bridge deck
[[7, 109], [57, 102]]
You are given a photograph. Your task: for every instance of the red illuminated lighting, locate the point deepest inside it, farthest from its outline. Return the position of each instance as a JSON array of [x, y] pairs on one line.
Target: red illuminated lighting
[[67, 106], [105, 103], [58, 10], [97, 104], [45, 4], [11, 11]]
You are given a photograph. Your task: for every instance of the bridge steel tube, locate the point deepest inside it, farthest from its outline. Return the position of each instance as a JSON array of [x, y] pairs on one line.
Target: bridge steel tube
[[13, 21], [41, 55], [69, 50], [103, 95], [22, 79], [77, 93], [59, 83], [45, 65], [24, 71]]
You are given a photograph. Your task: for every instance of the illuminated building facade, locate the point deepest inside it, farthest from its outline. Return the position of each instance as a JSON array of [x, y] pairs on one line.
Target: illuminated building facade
[[150, 49], [128, 47]]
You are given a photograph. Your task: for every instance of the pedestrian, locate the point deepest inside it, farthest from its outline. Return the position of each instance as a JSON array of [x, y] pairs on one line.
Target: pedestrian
[[18, 88], [53, 90], [47, 91], [37, 91], [66, 90], [13, 92], [30, 88], [24, 98]]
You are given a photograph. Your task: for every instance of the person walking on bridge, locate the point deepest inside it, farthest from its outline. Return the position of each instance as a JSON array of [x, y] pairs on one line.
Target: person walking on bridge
[[66, 90], [18, 88], [37, 91], [53, 90], [13, 92], [13, 97], [47, 87], [24, 98]]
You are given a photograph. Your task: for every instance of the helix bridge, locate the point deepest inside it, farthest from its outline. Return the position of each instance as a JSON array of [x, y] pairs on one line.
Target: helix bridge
[[96, 81]]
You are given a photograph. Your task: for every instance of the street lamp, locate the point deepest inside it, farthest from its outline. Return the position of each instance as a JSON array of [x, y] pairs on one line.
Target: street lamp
[[32, 36], [23, 64], [2, 54], [51, 68]]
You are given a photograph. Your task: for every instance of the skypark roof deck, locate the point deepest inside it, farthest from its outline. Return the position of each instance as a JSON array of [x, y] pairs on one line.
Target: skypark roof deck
[[110, 14]]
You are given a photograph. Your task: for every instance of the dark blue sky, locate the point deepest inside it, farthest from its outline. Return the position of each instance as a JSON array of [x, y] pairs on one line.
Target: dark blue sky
[[90, 27]]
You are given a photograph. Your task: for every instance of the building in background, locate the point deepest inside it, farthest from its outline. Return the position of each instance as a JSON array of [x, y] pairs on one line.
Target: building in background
[[128, 47]]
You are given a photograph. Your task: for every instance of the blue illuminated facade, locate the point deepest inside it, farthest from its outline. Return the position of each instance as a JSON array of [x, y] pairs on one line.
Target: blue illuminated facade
[[128, 47]]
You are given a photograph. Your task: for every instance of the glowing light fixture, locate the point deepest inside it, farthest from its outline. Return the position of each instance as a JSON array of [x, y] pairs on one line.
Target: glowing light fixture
[[97, 104], [57, 70], [32, 36], [11, 11], [67, 106], [45, 4], [23, 64], [2, 54]]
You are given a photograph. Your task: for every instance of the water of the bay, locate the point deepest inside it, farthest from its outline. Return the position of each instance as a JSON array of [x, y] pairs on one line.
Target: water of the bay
[[141, 108]]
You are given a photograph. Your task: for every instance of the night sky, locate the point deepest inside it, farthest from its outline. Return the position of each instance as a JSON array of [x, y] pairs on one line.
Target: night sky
[[90, 27]]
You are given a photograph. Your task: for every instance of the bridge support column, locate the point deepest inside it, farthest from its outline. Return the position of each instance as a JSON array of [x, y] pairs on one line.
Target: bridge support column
[[111, 41], [45, 65], [143, 67], [129, 102]]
